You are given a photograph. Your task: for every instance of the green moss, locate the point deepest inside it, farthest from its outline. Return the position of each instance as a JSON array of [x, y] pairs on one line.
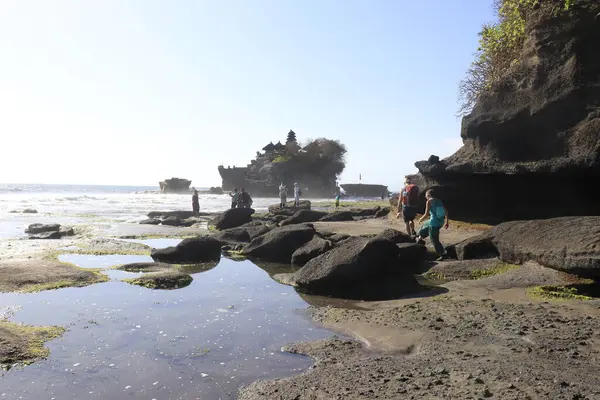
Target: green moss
[[235, 255], [161, 281], [23, 344], [435, 276], [487, 272], [64, 283], [555, 292]]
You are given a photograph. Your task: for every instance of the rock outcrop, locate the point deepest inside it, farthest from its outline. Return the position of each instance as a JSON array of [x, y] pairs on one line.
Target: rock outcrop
[[175, 185], [339, 216], [232, 218], [190, 251], [304, 205], [280, 244], [357, 268], [570, 244], [531, 149], [48, 231]]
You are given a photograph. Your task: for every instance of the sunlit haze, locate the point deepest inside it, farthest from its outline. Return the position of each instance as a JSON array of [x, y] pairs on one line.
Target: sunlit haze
[[132, 92]]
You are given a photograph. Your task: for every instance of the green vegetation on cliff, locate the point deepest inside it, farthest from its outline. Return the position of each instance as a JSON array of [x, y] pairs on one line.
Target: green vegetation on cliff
[[501, 43]]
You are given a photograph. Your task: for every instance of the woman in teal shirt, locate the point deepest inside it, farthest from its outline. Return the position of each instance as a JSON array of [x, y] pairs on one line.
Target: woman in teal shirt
[[438, 217]]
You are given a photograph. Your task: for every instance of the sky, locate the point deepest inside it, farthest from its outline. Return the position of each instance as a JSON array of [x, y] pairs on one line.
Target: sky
[[130, 92]]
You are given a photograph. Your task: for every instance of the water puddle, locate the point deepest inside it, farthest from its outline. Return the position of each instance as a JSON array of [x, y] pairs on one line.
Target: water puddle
[[203, 341]]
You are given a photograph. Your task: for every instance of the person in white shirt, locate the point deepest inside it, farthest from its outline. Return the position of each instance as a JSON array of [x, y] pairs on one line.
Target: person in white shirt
[[282, 195], [296, 194]]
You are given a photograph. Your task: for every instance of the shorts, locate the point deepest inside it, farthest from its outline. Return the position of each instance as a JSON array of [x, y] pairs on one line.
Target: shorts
[[409, 213]]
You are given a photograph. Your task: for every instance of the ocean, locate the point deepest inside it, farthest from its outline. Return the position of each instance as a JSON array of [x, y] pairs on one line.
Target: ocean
[[85, 204]]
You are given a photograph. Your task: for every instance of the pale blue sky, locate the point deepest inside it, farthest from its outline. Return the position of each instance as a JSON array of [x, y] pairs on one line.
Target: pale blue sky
[[132, 92]]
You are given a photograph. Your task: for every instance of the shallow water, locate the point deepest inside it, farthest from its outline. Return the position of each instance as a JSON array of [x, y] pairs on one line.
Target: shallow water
[[157, 243], [200, 342]]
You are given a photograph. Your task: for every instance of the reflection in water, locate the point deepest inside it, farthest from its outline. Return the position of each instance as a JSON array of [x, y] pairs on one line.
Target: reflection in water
[[200, 342]]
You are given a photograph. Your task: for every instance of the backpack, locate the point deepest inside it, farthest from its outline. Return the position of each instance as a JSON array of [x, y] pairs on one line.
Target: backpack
[[437, 211], [412, 195]]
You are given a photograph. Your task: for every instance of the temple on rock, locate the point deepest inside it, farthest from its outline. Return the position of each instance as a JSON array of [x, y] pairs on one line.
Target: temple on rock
[[315, 166]]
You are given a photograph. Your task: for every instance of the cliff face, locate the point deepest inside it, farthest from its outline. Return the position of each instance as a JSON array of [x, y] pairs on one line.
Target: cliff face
[[532, 146]]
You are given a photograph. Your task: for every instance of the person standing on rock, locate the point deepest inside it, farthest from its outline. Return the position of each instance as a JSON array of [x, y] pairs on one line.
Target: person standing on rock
[[195, 203], [244, 199], [234, 198], [282, 195], [407, 205], [296, 194], [438, 217]]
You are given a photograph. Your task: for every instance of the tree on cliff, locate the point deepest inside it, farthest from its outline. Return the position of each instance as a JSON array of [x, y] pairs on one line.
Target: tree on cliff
[[326, 155], [501, 44]]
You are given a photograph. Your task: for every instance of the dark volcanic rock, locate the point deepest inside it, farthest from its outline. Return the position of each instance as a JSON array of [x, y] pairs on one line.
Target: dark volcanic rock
[[365, 212], [172, 221], [242, 234], [47, 235], [394, 236], [166, 214], [338, 237], [39, 228], [310, 250], [383, 212], [569, 244], [29, 211], [304, 205], [232, 218], [338, 216], [303, 216], [150, 221], [279, 244], [412, 256], [532, 145], [145, 267], [358, 268], [189, 251]]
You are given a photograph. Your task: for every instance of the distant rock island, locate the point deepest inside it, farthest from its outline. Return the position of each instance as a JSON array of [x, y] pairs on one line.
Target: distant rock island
[[175, 185], [315, 166]]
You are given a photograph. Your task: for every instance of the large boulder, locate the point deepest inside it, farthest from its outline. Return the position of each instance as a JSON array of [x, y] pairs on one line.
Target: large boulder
[[357, 268], [394, 236], [304, 205], [338, 216], [190, 251], [531, 144], [232, 218], [365, 212], [39, 228], [279, 244], [310, 250], [242, 234], [303, 216], [570, 244]]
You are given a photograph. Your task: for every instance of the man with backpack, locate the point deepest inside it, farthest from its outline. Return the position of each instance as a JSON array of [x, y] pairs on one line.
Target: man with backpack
[[408, 205]]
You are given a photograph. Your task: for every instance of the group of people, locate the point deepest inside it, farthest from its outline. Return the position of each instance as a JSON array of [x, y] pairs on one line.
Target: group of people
[[240, 199], [434, 218], [283, 195]]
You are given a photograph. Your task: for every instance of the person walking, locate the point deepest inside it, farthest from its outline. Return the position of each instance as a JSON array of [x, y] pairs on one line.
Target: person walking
[[234, 197], [282, 195], [438, 217], [297, 194], [337, 201], [195, 203], [408, 205]]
